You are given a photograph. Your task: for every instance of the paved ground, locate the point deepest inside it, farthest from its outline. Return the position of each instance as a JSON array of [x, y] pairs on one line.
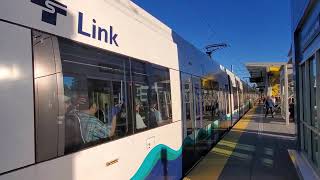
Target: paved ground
[[255, 149]]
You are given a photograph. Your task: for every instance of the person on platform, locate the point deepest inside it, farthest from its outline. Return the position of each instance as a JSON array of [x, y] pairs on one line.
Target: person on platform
[[269, 106]]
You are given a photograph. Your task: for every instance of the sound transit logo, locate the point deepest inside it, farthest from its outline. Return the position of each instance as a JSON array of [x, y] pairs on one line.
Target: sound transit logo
[[90, 29], [51, 9]]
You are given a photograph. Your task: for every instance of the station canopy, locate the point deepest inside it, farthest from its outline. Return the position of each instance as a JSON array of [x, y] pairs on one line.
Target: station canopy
[[259, 71]]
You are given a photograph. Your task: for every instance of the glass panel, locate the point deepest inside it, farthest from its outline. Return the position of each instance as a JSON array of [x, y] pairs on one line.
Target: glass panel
[[301, 114], [210, 101], [95, 95], [235, 113], [141, 94], [46, 102], [187, 103], [304, 92], [315, 151], [197, 102], [152, 94], [210, 108], [305, 138], [224, 117], [92, 96], [44, 63], [227, 100], [309, 143], [161, 108], [188, 122], [313, 87], [241, 101], [200, 131], [235, 98]]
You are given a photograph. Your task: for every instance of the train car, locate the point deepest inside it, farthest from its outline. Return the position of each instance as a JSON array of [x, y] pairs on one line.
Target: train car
[[205, 102], [242, 97], [105, 91]]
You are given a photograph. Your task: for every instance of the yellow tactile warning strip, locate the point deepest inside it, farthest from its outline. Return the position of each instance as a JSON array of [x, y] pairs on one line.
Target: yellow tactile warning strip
[[213, 163]]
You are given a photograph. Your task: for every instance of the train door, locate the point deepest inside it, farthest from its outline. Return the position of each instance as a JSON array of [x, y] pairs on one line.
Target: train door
[[191, 119], [235, 105], [227, 105], [188, 122], [240, 102], [200, 141]]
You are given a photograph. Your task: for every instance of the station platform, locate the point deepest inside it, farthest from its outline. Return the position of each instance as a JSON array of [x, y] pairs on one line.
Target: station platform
[[255, 148]]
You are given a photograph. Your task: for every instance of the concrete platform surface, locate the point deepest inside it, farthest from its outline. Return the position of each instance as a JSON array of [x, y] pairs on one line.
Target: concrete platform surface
[[255, 149]]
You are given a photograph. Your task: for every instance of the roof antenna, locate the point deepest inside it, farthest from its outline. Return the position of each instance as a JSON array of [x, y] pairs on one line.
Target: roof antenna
[[214, 47]]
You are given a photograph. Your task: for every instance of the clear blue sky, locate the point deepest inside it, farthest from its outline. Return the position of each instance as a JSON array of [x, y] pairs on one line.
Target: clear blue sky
[[256, 30]]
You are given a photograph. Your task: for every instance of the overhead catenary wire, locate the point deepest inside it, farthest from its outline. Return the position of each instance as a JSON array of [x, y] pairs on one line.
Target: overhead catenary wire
[[205, 21]]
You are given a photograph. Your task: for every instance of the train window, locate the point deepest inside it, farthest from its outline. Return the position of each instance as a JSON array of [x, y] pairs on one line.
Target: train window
[[152, 97], [211, 106], [223, 100], [187, 104], [86, 96], [141, 94], [96, 96], [227, 99], [161, 94], [220, 103], [241, 101], [197, 101], [235, 97]]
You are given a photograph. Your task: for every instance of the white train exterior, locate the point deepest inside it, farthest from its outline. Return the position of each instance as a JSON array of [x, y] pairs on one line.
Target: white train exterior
[[103, 90]]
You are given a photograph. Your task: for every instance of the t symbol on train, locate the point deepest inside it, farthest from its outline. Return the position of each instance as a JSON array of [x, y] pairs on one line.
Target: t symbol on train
[[50, 10]]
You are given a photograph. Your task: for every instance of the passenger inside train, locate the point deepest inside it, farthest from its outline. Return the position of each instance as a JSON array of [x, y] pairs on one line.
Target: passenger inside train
[[89, 127], [155, 114], [139, 120], [73, 135]]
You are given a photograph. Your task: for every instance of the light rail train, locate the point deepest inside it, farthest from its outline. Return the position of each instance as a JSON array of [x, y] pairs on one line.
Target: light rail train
[[103, 90]]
